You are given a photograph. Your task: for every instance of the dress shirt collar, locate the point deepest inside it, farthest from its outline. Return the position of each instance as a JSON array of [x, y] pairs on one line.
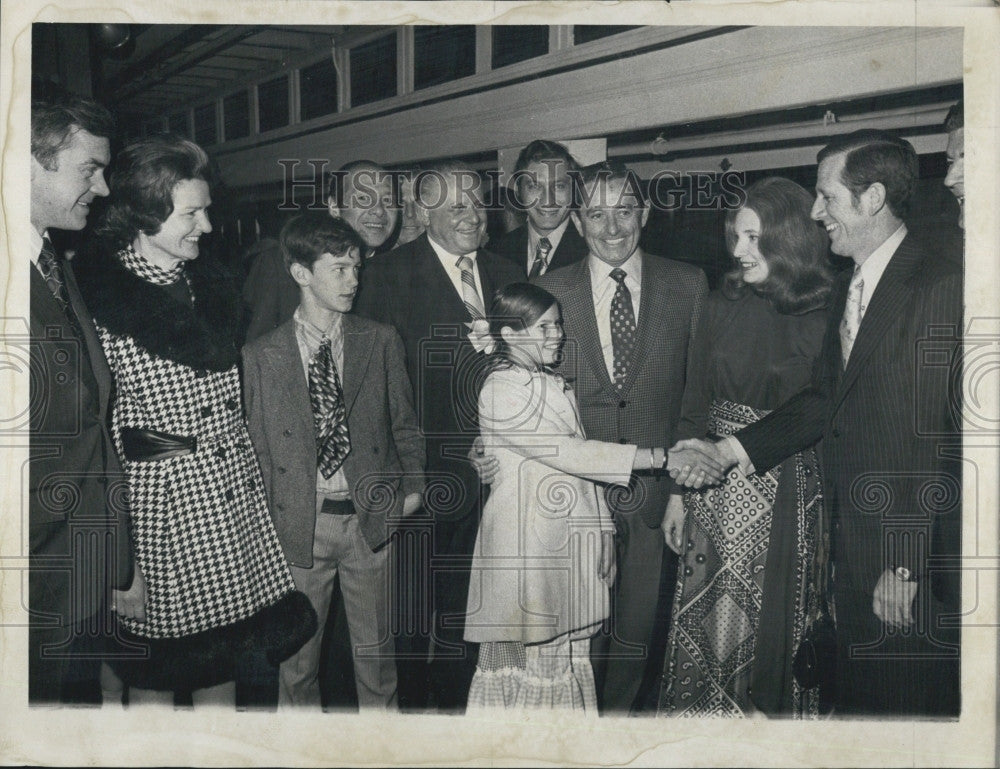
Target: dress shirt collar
[[600, 272], [36, 243], [873, 267], [554, 238], [312, 335], [446, 257]]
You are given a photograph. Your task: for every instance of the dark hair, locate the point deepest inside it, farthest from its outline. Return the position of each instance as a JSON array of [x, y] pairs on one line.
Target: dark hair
[[56, 114], [543, 149], [605, 171], [336, 188], [955, 118], [142, 185], [873, 156], [307, 236], [795, 247], [516, 305]]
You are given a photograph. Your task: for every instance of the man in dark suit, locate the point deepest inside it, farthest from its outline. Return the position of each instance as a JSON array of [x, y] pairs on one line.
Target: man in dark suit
[[333, 518], [884, 401], [543, 188], [432, 290], [79, 547], [629, 319]]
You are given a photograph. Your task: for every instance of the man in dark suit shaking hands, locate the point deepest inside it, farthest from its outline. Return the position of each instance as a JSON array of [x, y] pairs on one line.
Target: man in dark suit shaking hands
[[628, 318], [884, 404], [432, 290], [78, 538]]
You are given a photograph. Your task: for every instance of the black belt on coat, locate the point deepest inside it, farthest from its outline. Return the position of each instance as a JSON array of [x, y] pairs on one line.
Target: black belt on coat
[[141, 445], [337, 507]]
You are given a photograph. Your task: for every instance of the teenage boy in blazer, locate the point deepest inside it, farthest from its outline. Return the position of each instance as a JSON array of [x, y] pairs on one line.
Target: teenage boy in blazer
[[335, 517]]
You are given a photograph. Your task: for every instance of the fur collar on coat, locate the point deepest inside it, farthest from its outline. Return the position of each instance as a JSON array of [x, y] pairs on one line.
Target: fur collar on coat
[[200, 337]]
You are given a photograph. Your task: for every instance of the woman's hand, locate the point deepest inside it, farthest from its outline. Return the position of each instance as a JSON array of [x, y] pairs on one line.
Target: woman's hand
[[131, 603], [673, 523], [487, 466], [607, 569]]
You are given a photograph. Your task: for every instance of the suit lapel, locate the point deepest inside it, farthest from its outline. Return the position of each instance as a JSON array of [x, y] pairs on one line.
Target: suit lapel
[[652, 300], [358, 345], [892, 294], [433, 285], [285, 361], [580, 303], [570, 247], [96, 359]]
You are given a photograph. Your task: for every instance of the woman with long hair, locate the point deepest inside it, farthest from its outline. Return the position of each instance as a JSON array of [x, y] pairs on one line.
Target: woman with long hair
[[544, 555], [220, 596], [748, 547]]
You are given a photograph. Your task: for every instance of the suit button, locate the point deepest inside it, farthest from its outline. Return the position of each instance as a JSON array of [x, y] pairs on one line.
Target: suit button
[[374, 449], [282, 470], [288, 431], [206, 411], [231, 404], [200, 373], [622, 404], [281, 508], [220, 453], [230, 496], [623, 440]]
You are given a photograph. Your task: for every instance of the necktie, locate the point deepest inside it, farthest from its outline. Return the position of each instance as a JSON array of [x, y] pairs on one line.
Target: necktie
[[853, 312], [622, 327], [333, 442], [51, 269], [542, 252], [473, 302]]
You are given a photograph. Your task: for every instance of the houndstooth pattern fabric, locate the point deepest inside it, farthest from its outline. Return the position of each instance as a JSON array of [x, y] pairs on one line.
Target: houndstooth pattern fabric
[[622, 327], [326, 396], [138, 266], [203, 535]]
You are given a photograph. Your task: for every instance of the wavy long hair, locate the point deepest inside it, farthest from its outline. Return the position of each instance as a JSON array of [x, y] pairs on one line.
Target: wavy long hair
[[794, 246]]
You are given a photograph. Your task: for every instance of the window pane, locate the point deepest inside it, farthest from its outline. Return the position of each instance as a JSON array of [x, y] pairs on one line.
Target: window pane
[[236, 115], [512, 44], [178, 123], [204, 125], [272, 103], [442, 54], [373, 71], [318, 89], [585, 33]]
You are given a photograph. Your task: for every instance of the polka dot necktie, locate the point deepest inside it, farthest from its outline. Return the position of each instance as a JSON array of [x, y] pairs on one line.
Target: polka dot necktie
[[541, 258], [853, 312], [622, 327], [333, 442]]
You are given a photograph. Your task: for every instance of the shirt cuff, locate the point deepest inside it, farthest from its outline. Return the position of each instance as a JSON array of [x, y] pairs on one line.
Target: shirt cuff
[[742, 458]]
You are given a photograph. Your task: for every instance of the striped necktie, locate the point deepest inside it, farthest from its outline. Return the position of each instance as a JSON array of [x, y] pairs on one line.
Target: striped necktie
[[473, 302], [542, 252]]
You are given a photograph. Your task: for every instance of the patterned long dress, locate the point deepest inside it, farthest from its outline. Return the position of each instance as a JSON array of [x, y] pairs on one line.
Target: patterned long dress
[[216, 579], [745, 582]]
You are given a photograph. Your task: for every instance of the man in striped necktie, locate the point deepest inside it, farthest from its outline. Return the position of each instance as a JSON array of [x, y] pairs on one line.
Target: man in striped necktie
[[432, 290]]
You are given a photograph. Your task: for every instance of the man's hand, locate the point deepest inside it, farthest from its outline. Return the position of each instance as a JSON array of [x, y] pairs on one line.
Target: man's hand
[[131, 603], [695, 463], [487, 467], [893, 600], [673, 523], [412, 502], [607, 569]]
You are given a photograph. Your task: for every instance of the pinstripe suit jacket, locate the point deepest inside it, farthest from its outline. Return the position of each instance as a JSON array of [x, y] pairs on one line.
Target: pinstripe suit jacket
[[890, 441], [647, 409]]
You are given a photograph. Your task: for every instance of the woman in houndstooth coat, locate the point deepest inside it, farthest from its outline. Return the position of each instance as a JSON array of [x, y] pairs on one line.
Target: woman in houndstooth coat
[[218, 590]]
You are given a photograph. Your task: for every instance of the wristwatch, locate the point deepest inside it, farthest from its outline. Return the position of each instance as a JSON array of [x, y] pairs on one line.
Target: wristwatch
[[904, 575]]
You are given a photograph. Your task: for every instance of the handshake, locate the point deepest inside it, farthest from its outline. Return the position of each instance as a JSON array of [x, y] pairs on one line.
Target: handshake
[[696, 462]]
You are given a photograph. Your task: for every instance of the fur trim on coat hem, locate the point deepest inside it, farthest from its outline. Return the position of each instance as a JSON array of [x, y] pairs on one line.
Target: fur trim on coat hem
[[210, 657]]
